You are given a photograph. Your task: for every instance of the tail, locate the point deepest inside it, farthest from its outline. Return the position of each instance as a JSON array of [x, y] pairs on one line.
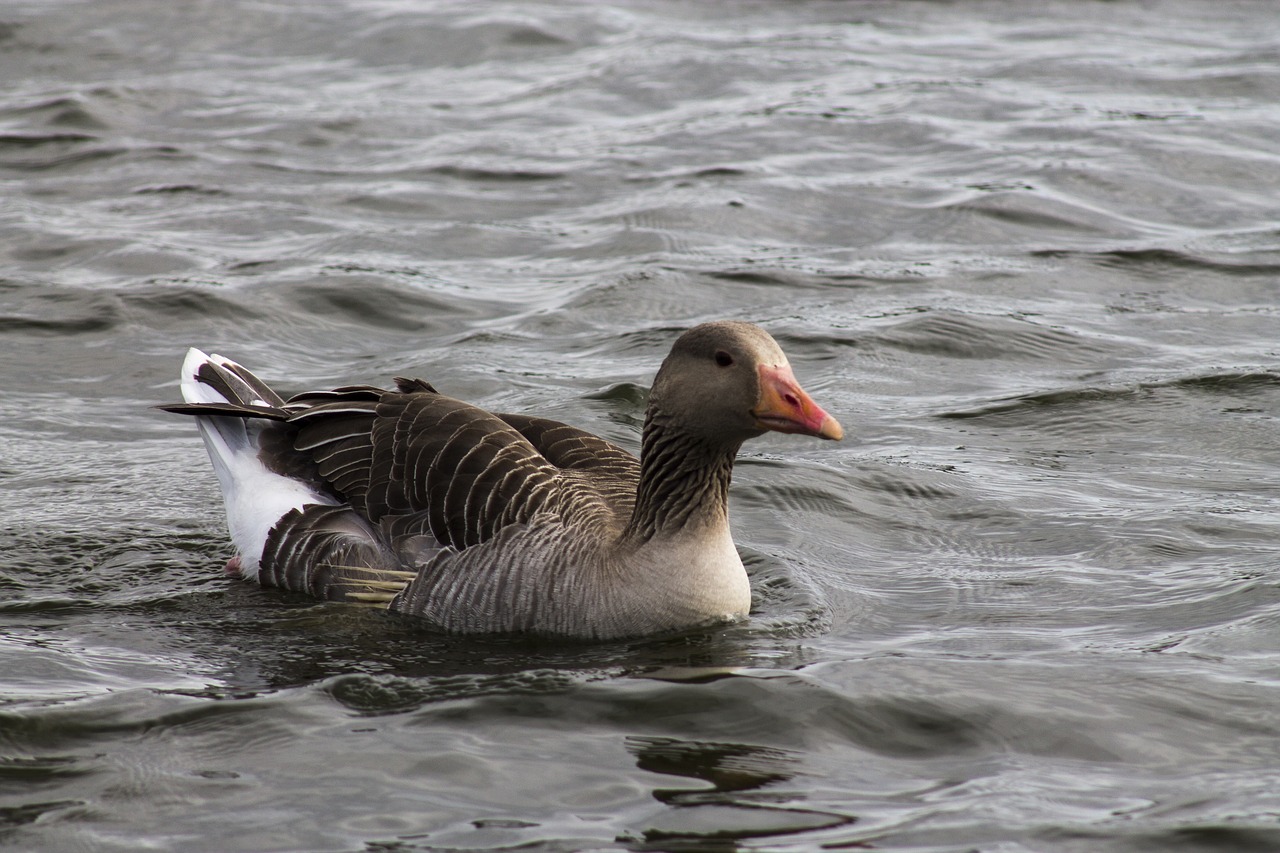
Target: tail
[[234, 411]]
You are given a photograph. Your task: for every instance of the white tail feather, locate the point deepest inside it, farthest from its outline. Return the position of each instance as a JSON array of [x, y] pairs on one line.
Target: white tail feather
[[256, 497]]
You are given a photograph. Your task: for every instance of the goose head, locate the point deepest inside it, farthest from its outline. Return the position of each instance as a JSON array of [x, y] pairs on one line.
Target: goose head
[[729, 381]]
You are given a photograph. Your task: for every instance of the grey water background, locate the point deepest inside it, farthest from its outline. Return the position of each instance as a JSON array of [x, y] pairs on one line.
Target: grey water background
[[1028, 253]]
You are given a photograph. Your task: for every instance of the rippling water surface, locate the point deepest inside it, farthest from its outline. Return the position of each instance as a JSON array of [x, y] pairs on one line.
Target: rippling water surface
[[1029, 254]]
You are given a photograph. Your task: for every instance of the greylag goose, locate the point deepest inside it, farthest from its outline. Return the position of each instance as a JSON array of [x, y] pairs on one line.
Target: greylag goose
[[497, 523]]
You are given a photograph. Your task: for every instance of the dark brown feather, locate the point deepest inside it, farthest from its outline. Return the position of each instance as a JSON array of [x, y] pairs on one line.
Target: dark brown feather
[[417, 462]]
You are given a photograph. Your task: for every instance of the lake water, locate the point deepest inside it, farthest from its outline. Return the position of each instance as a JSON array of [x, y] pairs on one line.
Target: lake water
[[1028, 253]]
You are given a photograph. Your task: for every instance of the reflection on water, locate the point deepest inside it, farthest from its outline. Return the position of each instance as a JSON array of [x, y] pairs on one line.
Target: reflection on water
[[729, 768], [1027, 605], [722, 814]]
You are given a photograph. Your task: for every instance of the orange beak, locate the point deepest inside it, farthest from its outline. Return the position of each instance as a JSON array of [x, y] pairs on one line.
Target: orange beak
[[785, 407]]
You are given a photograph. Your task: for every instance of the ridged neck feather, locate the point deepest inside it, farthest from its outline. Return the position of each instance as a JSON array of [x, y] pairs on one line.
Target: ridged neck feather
[[684, 480]]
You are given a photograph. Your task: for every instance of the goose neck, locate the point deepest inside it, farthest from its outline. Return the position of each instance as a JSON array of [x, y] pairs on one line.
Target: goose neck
[[684, 481]]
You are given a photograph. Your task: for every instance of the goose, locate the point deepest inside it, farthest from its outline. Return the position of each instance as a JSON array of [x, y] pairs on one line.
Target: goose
[[484, 523]]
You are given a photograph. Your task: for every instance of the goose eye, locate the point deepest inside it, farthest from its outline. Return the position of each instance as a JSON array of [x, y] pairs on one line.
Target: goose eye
[[724, 359]]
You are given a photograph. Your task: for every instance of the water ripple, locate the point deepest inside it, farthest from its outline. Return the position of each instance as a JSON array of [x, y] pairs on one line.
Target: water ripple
[[1026, 604]]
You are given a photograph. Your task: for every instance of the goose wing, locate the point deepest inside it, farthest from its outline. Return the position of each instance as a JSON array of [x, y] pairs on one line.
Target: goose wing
[[615, 472], [422, 463], [407, 477]]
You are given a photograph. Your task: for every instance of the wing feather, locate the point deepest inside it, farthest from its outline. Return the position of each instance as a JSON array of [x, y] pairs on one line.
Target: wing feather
[[569, 447], [421, 462], [414, 463]]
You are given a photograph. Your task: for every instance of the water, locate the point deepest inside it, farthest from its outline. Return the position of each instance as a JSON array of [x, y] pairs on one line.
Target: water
[[1027, 253]]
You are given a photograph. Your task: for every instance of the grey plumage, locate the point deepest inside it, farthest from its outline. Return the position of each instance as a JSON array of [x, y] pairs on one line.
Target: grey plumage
[[482, 522]]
